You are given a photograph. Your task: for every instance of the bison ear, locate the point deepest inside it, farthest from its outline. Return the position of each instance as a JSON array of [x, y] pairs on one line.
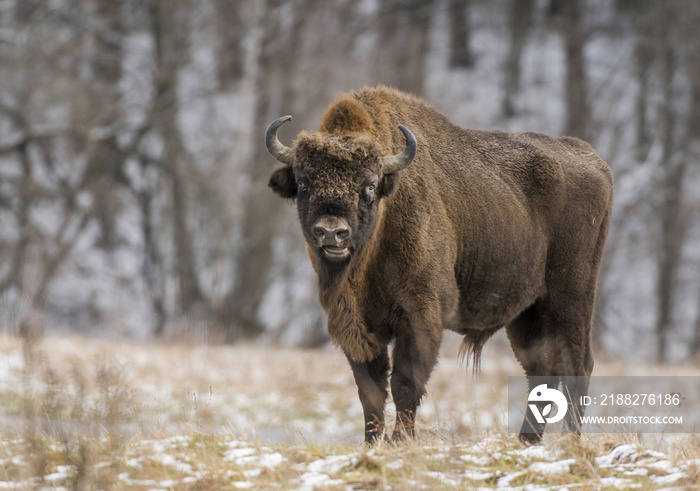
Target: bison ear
[[283, 182], [388, 184]]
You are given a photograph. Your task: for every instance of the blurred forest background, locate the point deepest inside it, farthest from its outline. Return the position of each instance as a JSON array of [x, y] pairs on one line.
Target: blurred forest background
[[133, 175]]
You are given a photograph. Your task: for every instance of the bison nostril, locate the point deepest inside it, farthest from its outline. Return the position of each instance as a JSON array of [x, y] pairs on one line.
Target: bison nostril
[[331, 232]]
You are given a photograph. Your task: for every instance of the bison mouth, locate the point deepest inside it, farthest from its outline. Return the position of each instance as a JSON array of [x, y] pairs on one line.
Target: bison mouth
[[334, 252]]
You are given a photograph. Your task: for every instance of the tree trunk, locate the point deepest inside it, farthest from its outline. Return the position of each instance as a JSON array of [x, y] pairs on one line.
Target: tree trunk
[[644, 17], [403, 43], [643, 58], [461, 55], [105, 161], [670, 215], [519, 22], [152, 264], [170, 34], [230, 29], [578, 112], [693, 131], [272, 73]]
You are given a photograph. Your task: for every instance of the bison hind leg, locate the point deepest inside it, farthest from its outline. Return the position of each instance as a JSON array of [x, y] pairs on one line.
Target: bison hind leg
[[473, 343]]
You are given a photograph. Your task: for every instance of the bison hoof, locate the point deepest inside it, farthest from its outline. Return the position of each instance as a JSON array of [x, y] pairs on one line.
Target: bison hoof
[[530, 438], [402, 435], [375, 438]]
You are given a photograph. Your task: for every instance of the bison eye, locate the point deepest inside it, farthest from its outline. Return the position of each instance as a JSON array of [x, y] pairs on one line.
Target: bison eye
[[301, 185], [368, 193]]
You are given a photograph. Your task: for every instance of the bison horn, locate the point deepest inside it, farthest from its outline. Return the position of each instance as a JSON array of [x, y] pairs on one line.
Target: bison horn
[[281, 152], [401, 160]]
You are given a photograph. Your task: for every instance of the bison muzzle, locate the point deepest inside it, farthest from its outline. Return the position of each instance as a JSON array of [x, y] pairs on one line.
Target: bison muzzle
[[415, 225]]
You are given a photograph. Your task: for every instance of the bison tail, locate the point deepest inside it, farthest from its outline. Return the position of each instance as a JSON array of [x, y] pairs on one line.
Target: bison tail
[[472, 345]]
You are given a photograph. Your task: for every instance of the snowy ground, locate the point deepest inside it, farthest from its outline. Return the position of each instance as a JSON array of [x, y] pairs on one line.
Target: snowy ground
[[79, 414]]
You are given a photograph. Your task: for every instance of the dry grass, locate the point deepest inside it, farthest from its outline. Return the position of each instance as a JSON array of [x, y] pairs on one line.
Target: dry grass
[[85, 414]]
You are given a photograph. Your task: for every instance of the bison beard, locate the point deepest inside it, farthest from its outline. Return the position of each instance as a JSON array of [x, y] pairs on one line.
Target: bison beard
[[417, 229]]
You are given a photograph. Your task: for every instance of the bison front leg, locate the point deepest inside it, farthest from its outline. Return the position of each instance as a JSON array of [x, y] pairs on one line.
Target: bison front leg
[[415, 355], [371, 379]]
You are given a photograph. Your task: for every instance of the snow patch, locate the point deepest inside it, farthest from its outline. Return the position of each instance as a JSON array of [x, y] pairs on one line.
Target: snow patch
[[313, 480], [539, 452], [664, 465], [476, 459], [395, 465], [443, 478], [618, 455], [333, 464], [243, 484], [479, 475], [641, 471], [550, 468], [270, 460], [668, 479], [316, 473], [250, 473], [237, 453], [16, 485], [173, 463], [62, 472], [266, 460], [618, 483], [504, 482]]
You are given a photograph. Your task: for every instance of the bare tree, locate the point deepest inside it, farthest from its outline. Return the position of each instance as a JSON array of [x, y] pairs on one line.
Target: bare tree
[[230, 28], [671, 233], [168, 24], [461, 55], [104, 175], [693, 132], [578, 111], [677, 33], [403, 43], [519, 23], [692, 143], [275, 71], [644, 16], [40, 252]]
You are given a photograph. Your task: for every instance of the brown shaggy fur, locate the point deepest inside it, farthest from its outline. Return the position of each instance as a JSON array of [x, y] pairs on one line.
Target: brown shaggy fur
[[348, 115], [484, 229]]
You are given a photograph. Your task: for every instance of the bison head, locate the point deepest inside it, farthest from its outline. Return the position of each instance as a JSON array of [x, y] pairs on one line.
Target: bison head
[[337, 182]]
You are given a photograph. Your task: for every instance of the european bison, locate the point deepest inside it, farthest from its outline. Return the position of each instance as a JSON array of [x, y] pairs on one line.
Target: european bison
[[413, 232]]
